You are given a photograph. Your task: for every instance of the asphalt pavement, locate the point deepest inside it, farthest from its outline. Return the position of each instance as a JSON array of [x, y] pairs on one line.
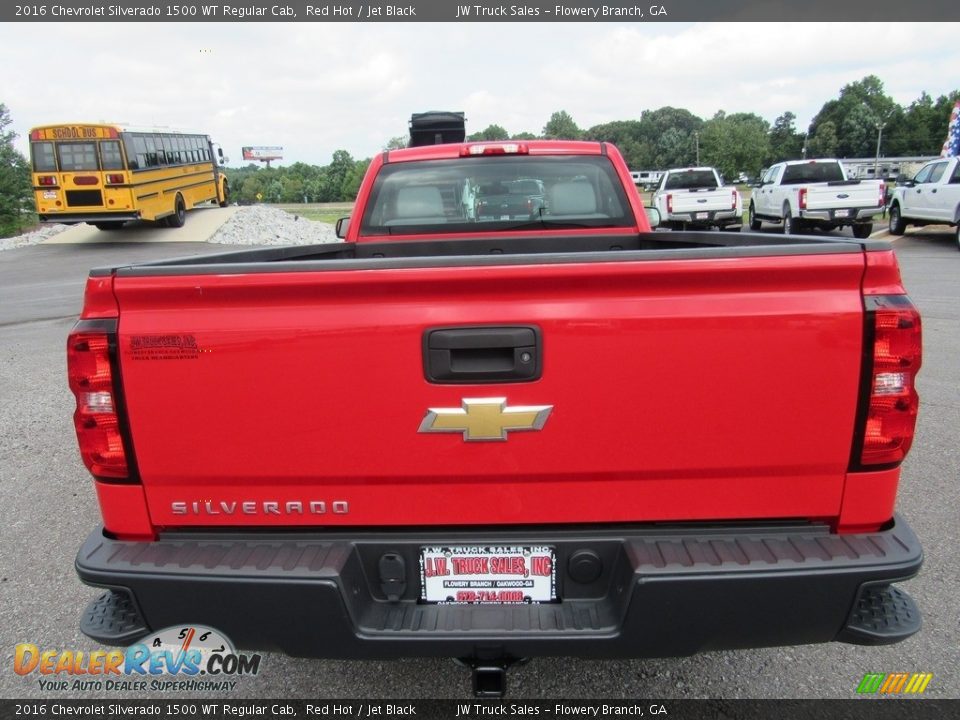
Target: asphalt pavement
[[48, 507]]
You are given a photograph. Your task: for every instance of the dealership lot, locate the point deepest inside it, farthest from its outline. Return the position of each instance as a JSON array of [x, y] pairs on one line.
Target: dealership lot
[[49, 507]]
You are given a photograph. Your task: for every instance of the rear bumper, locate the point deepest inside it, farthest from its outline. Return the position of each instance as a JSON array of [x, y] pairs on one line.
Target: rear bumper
[[661, 591], [714, 217], [70, 218], [852, 215]]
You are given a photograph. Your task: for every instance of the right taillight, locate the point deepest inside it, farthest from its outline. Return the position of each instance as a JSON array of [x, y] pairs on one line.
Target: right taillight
[[889, 419], [97, 422]]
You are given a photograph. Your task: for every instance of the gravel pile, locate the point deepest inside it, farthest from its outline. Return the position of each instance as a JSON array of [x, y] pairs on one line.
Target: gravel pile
[[31, 238], [259, 225], [251, 225]]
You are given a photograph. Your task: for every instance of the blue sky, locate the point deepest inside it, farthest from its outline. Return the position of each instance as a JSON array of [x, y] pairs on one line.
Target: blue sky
[[314, 88]]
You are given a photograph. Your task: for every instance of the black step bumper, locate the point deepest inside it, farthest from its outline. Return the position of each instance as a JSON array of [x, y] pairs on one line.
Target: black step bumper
[[661, 591]]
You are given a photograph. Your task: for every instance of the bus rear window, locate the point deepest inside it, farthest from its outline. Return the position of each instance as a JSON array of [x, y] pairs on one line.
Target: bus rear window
[[43, 157], [78, 156], [110, 155]]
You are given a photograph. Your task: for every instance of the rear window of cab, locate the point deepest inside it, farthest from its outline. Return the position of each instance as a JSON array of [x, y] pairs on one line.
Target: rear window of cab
[[444, 196]]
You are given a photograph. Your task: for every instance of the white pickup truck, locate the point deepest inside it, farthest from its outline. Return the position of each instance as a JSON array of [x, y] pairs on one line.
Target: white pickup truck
[[803, 194], [931, 198], [697, 198]]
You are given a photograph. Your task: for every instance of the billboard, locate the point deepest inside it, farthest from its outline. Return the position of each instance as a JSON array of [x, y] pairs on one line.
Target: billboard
[[259, 152]]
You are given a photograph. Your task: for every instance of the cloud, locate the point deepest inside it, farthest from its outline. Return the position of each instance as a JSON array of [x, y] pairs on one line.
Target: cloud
[[318, 87]]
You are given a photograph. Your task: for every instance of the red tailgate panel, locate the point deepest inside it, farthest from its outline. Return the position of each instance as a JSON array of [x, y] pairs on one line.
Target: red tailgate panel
[[692, 389]]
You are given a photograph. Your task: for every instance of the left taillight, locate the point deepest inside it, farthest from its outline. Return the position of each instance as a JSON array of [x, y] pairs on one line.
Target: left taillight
[[97, 420], [47, 180], [889, 414]]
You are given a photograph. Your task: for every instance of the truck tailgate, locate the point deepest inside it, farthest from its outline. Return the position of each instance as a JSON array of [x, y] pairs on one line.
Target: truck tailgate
[[860, 195], [711, 388], [690, 201]]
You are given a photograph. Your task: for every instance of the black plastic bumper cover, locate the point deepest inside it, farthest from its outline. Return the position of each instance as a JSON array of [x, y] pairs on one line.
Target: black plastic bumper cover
[[660, 591]]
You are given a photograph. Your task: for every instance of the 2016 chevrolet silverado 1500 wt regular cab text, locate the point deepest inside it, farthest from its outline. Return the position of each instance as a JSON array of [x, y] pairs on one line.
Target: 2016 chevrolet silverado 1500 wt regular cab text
[[804, 194], [493, 439], [696, 198], [931, 198]]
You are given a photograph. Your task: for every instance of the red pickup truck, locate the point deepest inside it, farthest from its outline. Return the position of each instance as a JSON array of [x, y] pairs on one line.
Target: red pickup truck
[[490, 439]]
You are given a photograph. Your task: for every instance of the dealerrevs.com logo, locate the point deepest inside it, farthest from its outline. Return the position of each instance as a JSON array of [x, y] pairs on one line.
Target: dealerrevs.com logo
[[184, 659]]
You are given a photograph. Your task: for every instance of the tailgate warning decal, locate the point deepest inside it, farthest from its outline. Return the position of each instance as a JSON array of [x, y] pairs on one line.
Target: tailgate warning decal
[[163, 347]]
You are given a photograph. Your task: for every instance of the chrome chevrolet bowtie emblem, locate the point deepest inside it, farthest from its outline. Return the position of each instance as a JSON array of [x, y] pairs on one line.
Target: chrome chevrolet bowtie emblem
[[485, 419]]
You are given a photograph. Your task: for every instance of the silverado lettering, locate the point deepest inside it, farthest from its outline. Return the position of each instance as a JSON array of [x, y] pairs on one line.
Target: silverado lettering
[[250, 507], [731, 414]]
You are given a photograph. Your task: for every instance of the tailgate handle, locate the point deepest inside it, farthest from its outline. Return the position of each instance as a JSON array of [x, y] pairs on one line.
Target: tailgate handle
[[484, 354]]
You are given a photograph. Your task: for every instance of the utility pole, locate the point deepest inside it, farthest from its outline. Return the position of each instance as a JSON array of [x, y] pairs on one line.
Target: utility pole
[[876, 160]]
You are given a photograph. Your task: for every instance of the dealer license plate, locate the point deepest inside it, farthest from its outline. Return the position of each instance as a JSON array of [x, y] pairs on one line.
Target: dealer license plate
[[702, 215], [841, 213], [494, 574]]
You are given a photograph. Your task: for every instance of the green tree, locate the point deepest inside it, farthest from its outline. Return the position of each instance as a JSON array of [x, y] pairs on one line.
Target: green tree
[[924, 126], [396, 143], [15, 192], [734, 144], [857, 134], [561, 126], [293, 188], [332, 178], [491, 132], [274, 191], [785, 142], [667, 138], [251, 186], [823, 143], [855, 114], [351, 183], [627, 135]]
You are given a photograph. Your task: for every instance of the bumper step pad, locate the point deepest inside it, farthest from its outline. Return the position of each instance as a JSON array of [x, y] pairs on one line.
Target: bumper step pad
[[882, 615], [113, 619]]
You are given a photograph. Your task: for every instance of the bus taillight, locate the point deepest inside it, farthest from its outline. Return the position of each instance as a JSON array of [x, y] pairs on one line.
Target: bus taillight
[[47, 180], [114, 179], [85, 180]]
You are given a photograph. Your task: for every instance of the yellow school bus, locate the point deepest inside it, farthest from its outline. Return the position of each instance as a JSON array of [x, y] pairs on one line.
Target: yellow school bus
[[108, 174]]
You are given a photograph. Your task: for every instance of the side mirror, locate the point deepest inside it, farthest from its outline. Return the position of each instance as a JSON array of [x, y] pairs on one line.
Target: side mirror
[[343, 224], [653, 216]]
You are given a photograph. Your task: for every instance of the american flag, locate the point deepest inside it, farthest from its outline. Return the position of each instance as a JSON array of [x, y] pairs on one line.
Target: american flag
[[951, 148]]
